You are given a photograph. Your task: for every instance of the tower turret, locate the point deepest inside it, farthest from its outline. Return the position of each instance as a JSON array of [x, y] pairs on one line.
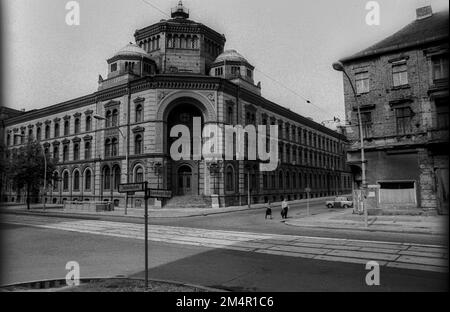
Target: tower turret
[[180, 11]]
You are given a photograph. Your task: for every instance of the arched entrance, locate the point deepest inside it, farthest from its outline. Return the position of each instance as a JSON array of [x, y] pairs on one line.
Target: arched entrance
[[185, 172], [184, 184]]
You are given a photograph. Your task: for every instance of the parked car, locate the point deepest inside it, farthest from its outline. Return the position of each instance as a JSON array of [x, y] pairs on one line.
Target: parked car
[[340, 202]]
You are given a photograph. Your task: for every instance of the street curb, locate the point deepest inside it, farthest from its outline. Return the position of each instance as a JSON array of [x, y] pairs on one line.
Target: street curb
[[426, 232], [101, 217], [47, 283]]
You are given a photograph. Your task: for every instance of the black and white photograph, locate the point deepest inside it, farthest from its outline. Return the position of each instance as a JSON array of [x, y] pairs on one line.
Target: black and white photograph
[[224, 152]]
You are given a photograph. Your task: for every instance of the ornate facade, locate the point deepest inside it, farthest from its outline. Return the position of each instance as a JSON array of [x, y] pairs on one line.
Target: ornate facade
[[176, 70]]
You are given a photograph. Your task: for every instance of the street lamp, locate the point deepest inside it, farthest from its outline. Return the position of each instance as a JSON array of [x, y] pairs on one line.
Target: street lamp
[[45, 172], [338, 66], [157, 167], [214, 170], [99, 117]]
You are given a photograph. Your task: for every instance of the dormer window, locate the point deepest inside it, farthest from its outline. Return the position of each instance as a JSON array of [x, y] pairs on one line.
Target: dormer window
[[113, 67], [249, 73], [218, 71], [235, 70]]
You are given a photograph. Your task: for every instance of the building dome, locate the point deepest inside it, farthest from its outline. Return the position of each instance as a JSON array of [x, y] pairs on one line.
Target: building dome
[[230, 56], [131, 49]]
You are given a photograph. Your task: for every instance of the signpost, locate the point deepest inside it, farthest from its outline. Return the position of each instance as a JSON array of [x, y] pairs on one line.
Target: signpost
[[307, 190], [140, 187], [158, 193], [132, 187]]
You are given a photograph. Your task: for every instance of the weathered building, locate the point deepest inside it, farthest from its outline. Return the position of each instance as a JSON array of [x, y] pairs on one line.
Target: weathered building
[[402, 90], [176, 70]]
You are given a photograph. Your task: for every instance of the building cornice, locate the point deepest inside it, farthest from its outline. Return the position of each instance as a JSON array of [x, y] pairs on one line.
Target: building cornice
[[191, 82]]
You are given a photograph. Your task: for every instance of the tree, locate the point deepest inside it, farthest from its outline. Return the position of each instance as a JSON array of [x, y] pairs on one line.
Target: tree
[[3, 167], [26, 169]]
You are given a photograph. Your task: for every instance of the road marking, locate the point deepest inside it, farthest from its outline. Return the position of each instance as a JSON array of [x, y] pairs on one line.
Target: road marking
[[390, 254]]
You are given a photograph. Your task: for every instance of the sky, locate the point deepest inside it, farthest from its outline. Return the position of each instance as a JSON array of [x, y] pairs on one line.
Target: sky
[[292, 44]]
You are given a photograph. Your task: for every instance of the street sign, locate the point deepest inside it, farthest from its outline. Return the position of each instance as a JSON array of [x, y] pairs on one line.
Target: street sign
[[132, 187], [158, 193]]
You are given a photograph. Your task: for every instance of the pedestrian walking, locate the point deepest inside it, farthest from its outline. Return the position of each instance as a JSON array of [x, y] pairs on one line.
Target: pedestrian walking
[[268, 210], [284, 209]]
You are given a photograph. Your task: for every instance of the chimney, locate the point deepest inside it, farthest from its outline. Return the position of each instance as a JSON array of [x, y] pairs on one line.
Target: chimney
[[424, 12]]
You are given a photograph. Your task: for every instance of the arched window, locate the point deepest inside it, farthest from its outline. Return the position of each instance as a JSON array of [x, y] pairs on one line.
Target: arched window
[[66, 152], [8, 140], [139, 116], [116, 176], [76, 151], [138, 174], [107, 148], [77, 125], [229, 179], [288, 180], [114, 147], [87, 180], [66, 127], [108, 119], [76, 180], [195, 42], [38, 134], [56, 152], [88, 123], [56, 130], [230, 115], [280, 179], [106, 176], [55, 181], [115, 118], [87, 150], [170, 42], [66, 181], [138, 144], [47, 132]]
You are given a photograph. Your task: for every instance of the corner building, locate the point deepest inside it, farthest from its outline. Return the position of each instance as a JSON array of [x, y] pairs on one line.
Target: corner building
[[176, 70]]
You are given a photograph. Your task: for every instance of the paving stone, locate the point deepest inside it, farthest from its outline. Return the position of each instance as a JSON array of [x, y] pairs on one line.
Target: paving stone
[[423, 260], [419, 267], [363, 255], [316, 251], [285, 253], [346, 259]]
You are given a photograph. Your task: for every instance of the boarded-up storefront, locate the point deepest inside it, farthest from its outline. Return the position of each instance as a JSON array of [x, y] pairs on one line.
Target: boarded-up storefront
[[398, 193]]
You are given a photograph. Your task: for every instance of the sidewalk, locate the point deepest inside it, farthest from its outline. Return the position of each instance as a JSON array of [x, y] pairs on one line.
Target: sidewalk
[[437, 225], [119, 212]]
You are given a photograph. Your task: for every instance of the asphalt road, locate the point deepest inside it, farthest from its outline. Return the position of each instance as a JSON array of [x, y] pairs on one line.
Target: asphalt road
[[30, 253], [254, 221]]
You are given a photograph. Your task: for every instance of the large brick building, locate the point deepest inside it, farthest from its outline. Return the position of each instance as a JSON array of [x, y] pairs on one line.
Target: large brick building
[[176, 70], [402, 87]]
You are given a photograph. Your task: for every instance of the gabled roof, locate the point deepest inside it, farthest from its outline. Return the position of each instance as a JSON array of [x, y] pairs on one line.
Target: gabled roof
[[416, 33]]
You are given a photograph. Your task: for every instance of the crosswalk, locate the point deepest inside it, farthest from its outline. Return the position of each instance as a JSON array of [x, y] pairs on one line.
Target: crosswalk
[[389, 254]]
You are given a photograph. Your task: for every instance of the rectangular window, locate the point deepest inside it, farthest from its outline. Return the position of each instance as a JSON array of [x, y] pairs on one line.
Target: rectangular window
[[442, 114], [403, 117], [249, 73], [399, 74], [113, 67], [440, 67], [362, 82], [366, 120], [218, 71], [235, 71]]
